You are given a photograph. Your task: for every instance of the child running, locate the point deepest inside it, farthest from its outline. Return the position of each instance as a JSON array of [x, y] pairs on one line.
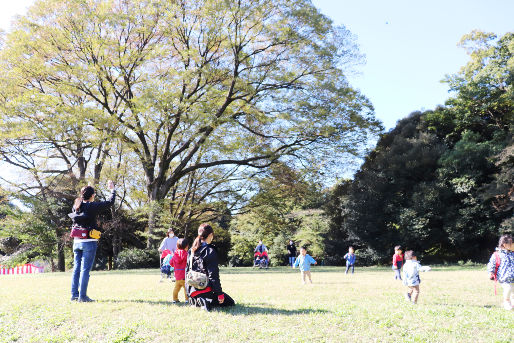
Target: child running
[[504, 273], [350, 259], [304, 260], [397, 262], [179, 262], [411, 276]]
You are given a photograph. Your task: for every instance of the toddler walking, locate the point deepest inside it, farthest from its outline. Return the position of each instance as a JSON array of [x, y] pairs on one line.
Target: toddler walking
[[411, 276], [503, 271], [350, 260], [304, 261], [179, 262], [397, 262]]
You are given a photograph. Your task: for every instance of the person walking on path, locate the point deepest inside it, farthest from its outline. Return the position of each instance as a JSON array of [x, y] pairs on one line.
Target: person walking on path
[[83, 215]]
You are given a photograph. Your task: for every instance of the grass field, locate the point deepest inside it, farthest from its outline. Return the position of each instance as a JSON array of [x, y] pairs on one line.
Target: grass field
[[456, 304]]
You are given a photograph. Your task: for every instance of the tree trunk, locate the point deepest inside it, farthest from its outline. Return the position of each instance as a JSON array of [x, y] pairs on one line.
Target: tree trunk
[[116, 248], [152, 224], [60, 255]]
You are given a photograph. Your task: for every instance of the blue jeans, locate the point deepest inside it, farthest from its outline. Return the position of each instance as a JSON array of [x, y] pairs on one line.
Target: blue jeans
[[84, 253], [397, 274], [291, 260], [348, 265]]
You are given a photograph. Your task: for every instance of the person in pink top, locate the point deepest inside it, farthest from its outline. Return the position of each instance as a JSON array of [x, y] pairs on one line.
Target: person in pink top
[[179, 262]]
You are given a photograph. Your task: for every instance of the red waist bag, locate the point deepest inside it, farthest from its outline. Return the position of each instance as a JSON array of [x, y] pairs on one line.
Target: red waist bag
[[79, 232]]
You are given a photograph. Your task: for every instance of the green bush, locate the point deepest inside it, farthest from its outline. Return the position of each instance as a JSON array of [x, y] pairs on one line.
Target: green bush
[[241, 253], [138, 258]]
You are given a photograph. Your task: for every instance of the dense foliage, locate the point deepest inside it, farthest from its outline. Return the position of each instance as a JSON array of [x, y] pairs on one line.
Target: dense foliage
[[180, 103], [440, 182]]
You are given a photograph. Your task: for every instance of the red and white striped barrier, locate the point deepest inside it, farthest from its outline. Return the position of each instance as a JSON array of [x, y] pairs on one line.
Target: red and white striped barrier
[[28, 268]]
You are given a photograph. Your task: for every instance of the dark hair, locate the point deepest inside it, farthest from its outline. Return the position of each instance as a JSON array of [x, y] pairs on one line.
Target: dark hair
[[351, 247], [203, 232], [182, 243], [409, 254], [168, 232], [85, 194], [303, 247], [505, 239], [398, 247]]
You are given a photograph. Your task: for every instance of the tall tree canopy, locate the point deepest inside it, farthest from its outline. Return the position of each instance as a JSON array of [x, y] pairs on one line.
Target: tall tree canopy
[[441, 181], [177, 87]]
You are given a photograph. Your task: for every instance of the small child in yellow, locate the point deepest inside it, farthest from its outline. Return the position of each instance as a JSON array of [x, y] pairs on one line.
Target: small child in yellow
[[179, 262]]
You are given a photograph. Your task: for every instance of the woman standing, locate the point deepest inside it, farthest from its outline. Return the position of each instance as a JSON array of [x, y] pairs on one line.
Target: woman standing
[[84, 213], [205, 260]]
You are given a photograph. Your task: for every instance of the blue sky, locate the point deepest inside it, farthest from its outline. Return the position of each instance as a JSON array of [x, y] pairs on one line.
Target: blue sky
[[411, 45]]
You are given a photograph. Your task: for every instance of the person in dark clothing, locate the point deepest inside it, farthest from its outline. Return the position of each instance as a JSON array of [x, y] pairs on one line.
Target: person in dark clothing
[[205, 260], [291, 248], [83, 215]]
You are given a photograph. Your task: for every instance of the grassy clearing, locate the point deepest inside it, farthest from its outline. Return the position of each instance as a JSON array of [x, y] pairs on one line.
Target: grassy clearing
[[455, 305]]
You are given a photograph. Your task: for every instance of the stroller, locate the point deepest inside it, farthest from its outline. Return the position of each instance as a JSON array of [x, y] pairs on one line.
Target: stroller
[[261, 260], [166, 268]]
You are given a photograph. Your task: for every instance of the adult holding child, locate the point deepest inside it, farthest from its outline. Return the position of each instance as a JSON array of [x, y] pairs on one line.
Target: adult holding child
[[203, 259], [85, 237]]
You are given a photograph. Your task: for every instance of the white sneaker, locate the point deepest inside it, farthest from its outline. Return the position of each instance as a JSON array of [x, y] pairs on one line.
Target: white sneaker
[[507, 305]]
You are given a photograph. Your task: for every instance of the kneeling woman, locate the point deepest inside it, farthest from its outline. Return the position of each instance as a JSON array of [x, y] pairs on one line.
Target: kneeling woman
[[205, 260]]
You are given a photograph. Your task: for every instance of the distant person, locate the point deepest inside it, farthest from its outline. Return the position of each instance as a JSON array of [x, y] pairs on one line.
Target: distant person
[[169, 242], [260, 248], [179, 262], [397, 262], [85, 238], [291, 249], [411, 279], [166, 267], [304, 262], [501, 268], [350, 260], [205, 260]]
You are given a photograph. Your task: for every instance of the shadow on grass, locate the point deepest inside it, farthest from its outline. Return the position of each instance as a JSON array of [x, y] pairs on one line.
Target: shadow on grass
[[245, 310], [272, 270], [140, 301], [237, 310], [464, 305]]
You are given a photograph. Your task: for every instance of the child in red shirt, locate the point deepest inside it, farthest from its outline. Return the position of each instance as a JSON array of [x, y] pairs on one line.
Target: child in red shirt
[[179, 262], [397, 262]]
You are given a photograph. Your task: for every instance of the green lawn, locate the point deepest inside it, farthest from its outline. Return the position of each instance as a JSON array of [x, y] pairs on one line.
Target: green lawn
[[455, 305]]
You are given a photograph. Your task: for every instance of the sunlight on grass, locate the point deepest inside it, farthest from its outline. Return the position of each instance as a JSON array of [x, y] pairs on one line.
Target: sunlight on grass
[[455, 305]]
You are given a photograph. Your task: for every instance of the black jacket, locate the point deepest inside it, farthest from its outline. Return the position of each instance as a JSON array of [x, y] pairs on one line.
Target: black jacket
[[292, 250], [205, 260], [85, 216]]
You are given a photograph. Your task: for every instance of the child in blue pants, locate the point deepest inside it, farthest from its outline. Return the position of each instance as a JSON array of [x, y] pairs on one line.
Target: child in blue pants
[[350, 259]]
